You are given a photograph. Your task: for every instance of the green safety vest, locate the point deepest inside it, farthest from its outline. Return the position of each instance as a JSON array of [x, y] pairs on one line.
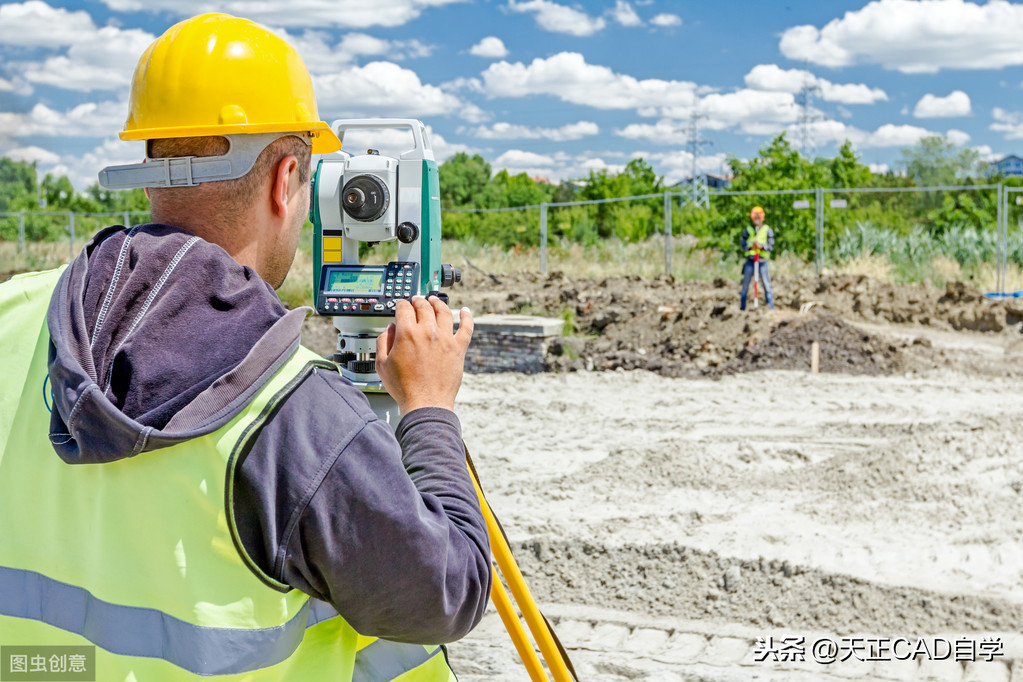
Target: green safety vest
[[759, 236], [140, 557]]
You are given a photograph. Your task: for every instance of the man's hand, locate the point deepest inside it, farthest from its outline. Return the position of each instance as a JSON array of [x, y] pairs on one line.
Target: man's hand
[[420, 358]]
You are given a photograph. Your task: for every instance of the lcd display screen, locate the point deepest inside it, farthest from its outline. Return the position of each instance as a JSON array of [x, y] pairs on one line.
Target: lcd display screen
[[354, 281]]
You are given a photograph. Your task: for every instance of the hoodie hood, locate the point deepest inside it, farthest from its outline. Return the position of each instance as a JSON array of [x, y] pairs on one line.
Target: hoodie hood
[[157, 336]]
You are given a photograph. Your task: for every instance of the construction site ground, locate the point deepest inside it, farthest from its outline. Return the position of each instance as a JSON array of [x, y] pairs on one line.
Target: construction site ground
[[681, 486]]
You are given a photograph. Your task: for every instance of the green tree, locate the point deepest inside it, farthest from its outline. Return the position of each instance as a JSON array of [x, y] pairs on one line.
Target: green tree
[[463, 179], [513, 190], [778, 166], [629, 221], [847, 171], [17, 185], [118, 200], [935, 160]]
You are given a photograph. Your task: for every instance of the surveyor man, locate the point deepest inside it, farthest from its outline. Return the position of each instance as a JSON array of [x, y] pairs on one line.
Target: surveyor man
[[757, 244], [207, 495]]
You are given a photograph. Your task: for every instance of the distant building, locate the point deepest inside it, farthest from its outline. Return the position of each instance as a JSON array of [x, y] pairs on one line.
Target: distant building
[[713, 181], [1009, 167]]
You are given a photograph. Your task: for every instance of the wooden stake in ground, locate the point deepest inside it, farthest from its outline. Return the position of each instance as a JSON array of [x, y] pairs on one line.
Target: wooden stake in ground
[[815, 358]]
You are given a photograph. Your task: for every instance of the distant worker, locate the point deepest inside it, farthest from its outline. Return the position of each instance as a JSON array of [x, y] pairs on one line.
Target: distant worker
[[185, 489], [757, 244]]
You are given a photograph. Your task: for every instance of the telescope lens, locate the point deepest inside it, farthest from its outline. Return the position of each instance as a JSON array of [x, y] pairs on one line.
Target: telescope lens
[[365, 198]]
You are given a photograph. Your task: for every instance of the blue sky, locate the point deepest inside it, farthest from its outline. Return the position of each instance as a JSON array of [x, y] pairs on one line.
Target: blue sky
[[555, 88]]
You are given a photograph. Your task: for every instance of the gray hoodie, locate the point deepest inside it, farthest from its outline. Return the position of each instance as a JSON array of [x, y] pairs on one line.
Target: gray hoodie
[[158, 336]]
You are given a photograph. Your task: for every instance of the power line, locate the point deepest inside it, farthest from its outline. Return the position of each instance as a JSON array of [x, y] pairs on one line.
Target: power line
[[807, 114], [698, 185]]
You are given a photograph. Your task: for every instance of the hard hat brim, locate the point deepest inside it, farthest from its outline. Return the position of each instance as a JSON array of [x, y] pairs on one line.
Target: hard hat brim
[[324, 139]]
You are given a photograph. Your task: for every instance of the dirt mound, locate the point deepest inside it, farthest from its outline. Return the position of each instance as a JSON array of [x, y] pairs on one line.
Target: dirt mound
[[843, 348], [693, 329], [682, 582], [678, 328]]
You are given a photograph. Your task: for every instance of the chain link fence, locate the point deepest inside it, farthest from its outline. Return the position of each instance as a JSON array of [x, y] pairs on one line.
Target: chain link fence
[[960, 226], [980, 225]]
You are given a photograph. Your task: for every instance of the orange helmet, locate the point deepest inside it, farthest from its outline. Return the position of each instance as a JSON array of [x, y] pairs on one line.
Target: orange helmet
[[757, 211]]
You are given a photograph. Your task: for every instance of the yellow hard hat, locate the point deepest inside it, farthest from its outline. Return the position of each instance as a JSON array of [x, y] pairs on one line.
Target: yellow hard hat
[[755, 212], [215, 74]]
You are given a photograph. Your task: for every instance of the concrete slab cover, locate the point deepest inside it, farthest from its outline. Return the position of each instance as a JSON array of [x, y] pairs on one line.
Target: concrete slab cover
[[527, 325]]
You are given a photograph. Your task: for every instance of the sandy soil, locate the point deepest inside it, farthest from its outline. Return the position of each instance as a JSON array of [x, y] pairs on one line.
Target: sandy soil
[[681, 486], [667, 523]]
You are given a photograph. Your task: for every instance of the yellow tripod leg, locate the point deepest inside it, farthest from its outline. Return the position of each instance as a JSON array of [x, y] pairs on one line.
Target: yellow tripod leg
[[517, 585], [517, 632]]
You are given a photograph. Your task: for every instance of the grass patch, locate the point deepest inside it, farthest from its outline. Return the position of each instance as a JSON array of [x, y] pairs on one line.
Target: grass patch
[[569, 317]]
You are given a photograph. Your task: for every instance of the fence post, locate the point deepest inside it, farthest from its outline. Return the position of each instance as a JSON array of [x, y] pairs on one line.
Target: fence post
[[127, 219], [543, 237], [21, 230], [71, 231], [818, 226], [1005, 238], [999, 210], [667, 232]]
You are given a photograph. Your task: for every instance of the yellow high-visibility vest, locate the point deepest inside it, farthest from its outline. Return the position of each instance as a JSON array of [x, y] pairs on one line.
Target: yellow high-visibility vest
[[140, 557]]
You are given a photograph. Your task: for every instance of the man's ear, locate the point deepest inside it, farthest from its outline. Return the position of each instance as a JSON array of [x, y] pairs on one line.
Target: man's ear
[[285, 184]]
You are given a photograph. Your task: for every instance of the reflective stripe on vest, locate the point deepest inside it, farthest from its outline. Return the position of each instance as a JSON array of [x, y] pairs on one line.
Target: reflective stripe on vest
[[134, 631], [137, 556], [759, 236]]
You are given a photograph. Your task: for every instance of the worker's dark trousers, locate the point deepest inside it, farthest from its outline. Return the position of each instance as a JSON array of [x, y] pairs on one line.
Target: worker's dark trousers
[[747, 277]]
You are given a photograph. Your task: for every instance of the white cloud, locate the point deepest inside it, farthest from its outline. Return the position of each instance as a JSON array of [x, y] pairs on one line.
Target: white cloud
[[517, 158], [567, 76], [1008, 122], [556, 18], [91, 119], [384, 89], [15, 85], [956, 103], [771, 77], [323, 57], [752, 111], [516, 161], [755, 112], [891, 135], [879, 168], [597, 164], [887, 135], [339, 13], [555, 167], [96, 58], [32, 155], [664, 131], [36, 24], [988, 154], [624, 14], [510, 131], [490, 47], [678, 165], [392, 142], [957, 137], [915, 37], [666, 20], [103, 60]]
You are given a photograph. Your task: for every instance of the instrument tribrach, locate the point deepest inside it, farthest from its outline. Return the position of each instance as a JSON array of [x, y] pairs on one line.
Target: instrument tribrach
[[365, 200]]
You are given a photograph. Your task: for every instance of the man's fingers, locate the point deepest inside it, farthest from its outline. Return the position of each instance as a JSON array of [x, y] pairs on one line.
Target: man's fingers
[[445, 320], [385, 342], [424, 312], [404, 315], [465, 325]]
